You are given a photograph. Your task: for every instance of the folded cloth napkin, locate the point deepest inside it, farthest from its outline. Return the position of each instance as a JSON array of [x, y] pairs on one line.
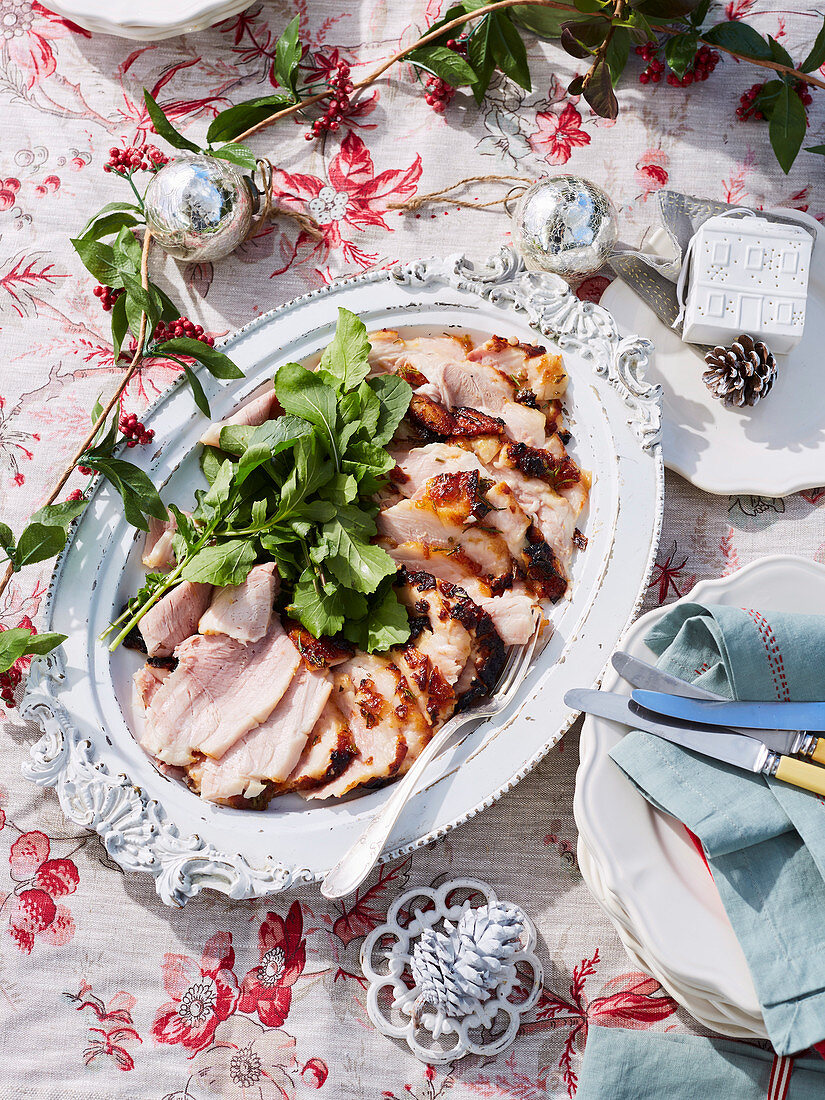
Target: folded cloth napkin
[[620, 1064], [764, 840]]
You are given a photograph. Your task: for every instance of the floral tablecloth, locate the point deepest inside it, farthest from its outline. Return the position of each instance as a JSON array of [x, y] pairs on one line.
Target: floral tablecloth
[[104, 992]]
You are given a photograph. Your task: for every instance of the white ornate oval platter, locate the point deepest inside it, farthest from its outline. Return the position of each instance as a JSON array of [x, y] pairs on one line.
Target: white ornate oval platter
[[150, 20], [81, 695]]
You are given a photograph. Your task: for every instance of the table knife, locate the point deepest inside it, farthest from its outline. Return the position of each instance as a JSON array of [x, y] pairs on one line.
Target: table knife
[[640, 674], [736, 749], [744, 715]]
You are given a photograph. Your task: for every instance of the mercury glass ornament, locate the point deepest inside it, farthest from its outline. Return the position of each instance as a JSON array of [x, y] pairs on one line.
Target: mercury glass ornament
[[200, 208], [565, 225]]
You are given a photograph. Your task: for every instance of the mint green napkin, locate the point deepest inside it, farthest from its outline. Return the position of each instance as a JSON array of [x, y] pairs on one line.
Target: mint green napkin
[[642, 1065], [764, 840]]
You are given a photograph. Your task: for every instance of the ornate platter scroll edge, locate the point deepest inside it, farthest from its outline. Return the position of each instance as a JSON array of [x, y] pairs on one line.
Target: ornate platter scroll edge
[[132, 826]]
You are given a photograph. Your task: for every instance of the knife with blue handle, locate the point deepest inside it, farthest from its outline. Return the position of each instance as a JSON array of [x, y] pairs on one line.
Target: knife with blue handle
[[737, 749], [640, 674]]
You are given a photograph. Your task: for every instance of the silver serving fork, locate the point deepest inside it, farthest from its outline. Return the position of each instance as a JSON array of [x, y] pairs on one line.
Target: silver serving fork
[[356, 864]]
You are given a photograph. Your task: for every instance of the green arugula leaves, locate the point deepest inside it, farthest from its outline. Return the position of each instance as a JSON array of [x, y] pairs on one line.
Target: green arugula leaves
[[298, 490]]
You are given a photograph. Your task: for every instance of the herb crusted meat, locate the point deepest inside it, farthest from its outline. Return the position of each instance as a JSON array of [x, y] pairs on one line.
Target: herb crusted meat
[[477, 509]]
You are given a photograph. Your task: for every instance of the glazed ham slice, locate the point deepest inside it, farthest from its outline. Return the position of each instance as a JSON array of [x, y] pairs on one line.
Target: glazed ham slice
[[257, 411], [271, 750], [529, 365], [512, 611], [328, 752], [243, 611], [174, 618], [219, 691], [382, 714]]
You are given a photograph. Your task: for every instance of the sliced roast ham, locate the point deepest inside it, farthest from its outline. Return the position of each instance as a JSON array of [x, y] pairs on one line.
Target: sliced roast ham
[[271, 750], [327, 754], [174, 618], [257, 411], [219, 691], [384, 718], [146, 682], [158, 554], [529, 365], [243, 611]]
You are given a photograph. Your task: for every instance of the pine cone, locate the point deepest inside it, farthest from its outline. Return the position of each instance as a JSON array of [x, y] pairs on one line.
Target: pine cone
[[741, 374], [458, 969]]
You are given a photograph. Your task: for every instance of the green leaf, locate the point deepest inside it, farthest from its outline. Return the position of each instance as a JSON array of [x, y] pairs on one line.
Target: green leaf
[[59, 515], [6, 537], [268, 440], [287, 55], [680, 51], [599, 93], [820, 149], [197, 389], [210, 462], [779, 53], [345, 362], [320, 609], [169, 311], [127, 252], [367, 458], [385, 625], [237, 154], [218, 364], [99, 260], [302, 393], [353, 562], [140, 497], [787, 127], [741, 38], [213, 503], [545, 22], [444, 63], [138, 302], [120, 325], [341, 489], [618, 51], [580, 38], [590, 7], [235, 120], [113, 217], [481, 58], [225, 563], [20, 641], [164, 128], [39, 542], [699, 14], [816, 58], [508, 49], [185, 528], [665, 9]]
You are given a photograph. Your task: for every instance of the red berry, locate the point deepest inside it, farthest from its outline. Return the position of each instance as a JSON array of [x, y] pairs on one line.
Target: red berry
[[76, 495], [644, 78]]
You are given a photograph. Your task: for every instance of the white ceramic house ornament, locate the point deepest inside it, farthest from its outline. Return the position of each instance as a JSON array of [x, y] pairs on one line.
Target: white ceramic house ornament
[[746, 274]]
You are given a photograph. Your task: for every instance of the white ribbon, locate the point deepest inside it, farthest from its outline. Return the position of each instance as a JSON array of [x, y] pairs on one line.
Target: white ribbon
[[681, 284]]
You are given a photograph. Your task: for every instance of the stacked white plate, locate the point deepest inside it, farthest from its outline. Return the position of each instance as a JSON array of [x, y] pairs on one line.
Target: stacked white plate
[[641, 865], [150, 19]]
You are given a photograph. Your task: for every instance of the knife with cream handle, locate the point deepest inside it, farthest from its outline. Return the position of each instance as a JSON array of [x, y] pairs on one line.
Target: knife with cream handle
[[642, 675], [736, 749]]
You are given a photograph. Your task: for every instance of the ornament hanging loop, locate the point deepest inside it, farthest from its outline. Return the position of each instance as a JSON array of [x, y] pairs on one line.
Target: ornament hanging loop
[[267, 208]]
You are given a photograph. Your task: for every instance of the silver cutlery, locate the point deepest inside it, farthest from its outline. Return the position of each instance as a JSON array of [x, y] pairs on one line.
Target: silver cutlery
[[737, 749], [356, 864]]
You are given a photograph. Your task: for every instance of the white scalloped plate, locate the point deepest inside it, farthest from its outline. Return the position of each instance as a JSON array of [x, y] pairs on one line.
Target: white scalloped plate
[[83, 696], [149, 20], [640, 863], [773, 449]]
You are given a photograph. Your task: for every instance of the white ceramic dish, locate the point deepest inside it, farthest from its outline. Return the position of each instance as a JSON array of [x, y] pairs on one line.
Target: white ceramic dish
[[82, 696], [775, 448], [711, 1013], [148, 20], [648, 868]]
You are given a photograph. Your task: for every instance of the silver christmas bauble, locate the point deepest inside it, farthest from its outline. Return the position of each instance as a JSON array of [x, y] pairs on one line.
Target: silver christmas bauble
[[200, 208], [566, 225]]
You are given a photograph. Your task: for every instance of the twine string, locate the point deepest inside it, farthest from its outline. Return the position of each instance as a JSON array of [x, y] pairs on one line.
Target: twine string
[[270, 209], [445, 198]]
